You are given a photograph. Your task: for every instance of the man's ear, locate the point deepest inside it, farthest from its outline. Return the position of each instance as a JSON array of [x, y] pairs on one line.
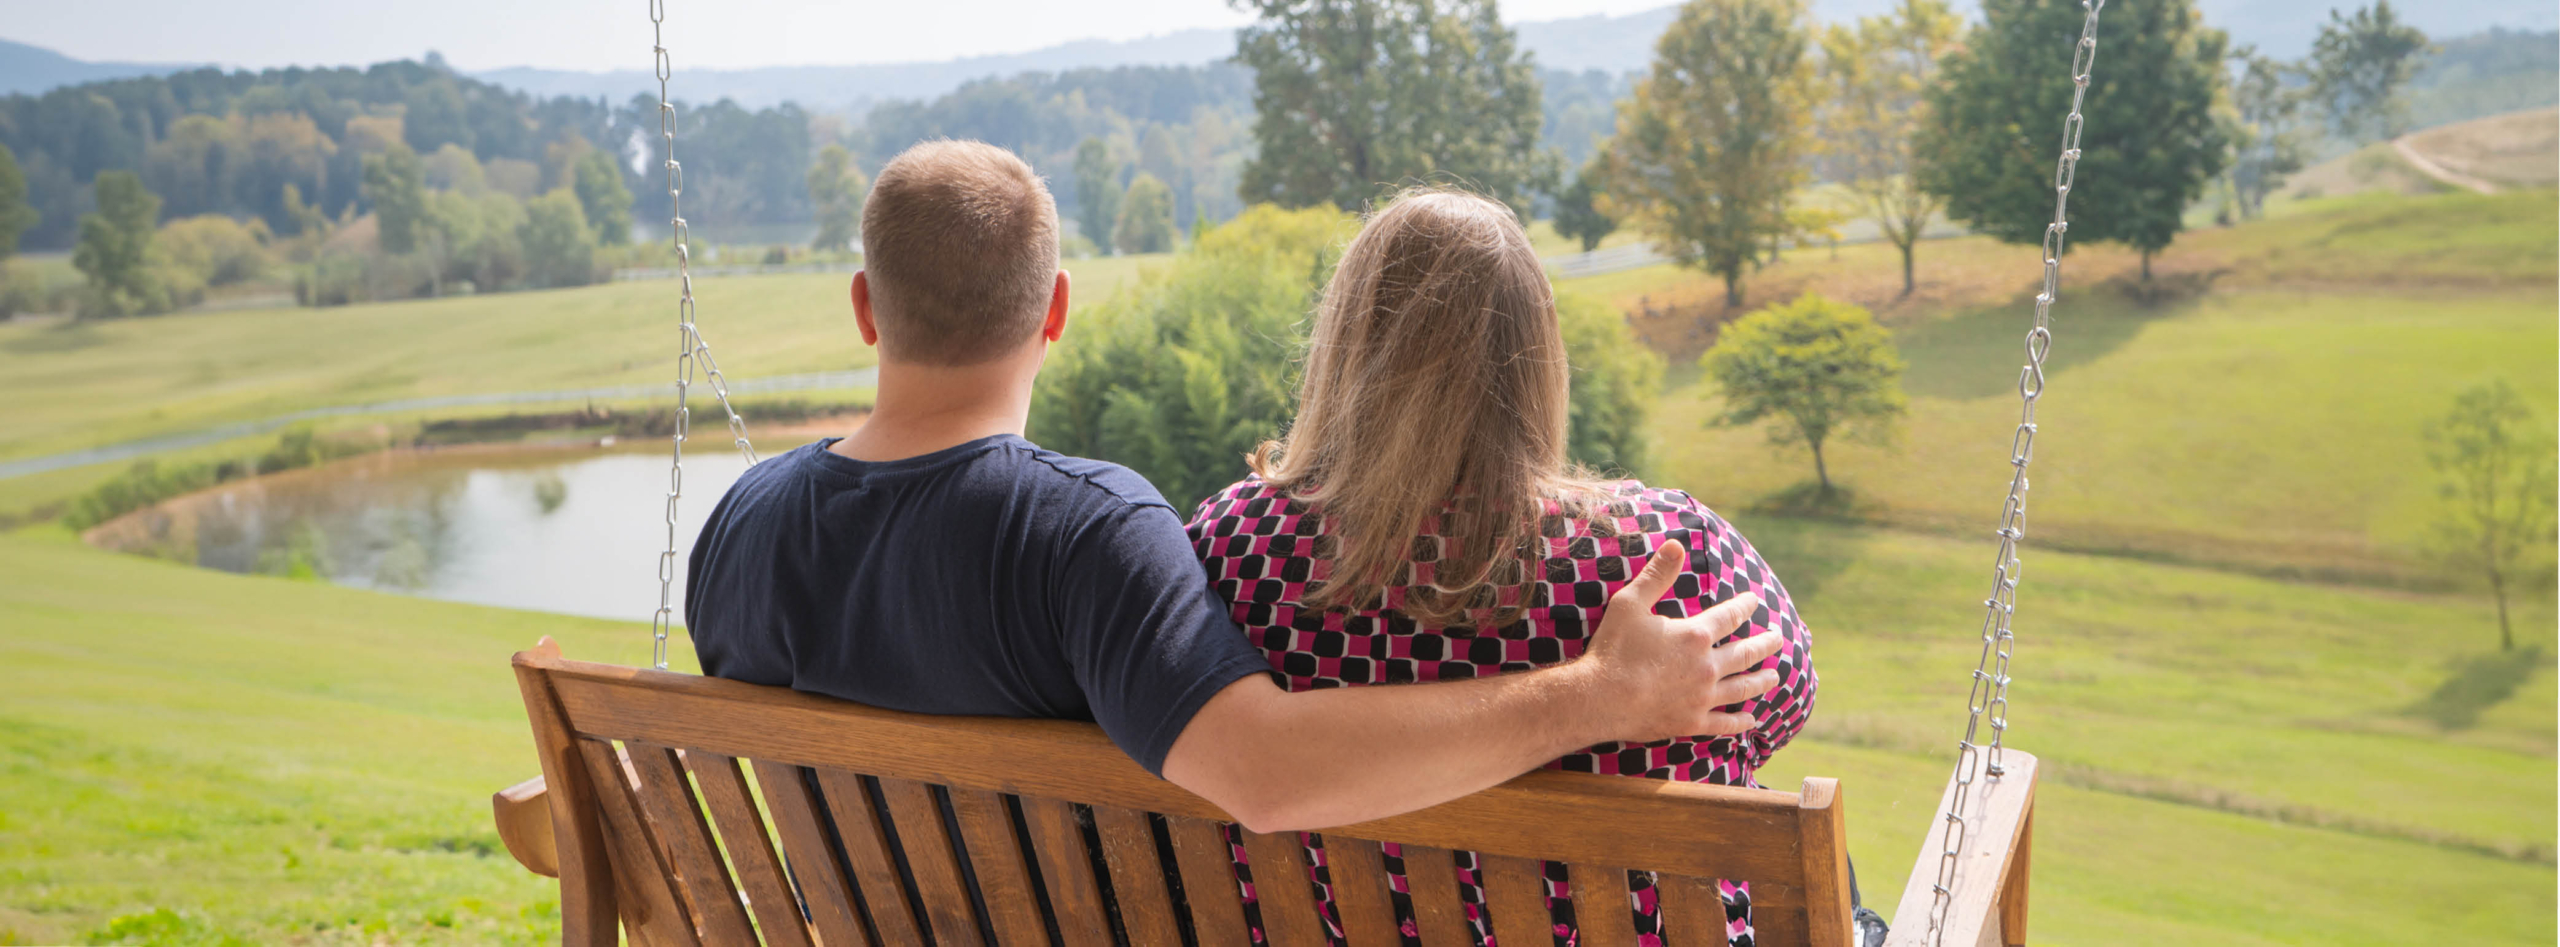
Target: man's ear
[[1055, 324], [862, 308]]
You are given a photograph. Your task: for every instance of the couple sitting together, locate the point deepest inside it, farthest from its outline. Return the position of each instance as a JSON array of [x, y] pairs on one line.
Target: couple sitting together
[[1417, 524]]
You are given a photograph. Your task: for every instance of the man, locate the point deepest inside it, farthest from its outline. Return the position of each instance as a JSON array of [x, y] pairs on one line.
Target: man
[[937, 562]]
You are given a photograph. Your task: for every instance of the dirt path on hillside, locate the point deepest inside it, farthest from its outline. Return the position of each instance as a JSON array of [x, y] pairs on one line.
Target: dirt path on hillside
[[2437, 171]]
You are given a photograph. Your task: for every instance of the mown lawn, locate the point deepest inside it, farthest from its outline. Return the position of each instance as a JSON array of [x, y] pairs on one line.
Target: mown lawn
[[287, 761], [81, 384], [2261, 405]]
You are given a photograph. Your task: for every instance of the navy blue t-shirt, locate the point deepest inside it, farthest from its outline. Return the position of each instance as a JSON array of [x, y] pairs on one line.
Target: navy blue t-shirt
[[989, 578]]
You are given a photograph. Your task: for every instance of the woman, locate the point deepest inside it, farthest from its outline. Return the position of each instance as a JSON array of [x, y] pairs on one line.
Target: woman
[[1420, 522]]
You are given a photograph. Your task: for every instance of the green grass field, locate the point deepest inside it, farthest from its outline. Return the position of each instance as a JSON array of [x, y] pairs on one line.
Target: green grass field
[[2233, 754], [82, 384]]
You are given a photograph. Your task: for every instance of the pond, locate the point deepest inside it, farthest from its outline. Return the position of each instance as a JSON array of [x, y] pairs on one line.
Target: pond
[[572, 530]]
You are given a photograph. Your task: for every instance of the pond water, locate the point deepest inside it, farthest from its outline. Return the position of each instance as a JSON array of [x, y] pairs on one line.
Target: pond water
[[560, 530]]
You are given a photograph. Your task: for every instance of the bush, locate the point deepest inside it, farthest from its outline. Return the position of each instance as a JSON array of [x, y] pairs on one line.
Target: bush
[[149, 481], [1181, 377], [214, 250], [559, 249]]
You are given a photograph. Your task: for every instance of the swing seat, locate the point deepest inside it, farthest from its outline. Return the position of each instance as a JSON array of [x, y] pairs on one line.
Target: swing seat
[[868, 827]]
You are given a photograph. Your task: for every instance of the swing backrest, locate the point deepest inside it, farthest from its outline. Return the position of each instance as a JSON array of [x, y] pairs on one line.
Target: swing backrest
[[691, 810]]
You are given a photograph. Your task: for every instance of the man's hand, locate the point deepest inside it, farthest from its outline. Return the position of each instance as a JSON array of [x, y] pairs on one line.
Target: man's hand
[[1331, 756], [1666, 677]]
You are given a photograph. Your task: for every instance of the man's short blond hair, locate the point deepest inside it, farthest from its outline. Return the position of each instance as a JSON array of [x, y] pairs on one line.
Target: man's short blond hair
[[960, 239]]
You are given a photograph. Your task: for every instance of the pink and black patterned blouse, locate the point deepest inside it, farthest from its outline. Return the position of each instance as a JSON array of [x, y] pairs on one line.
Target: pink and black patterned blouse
[[1258, 547]]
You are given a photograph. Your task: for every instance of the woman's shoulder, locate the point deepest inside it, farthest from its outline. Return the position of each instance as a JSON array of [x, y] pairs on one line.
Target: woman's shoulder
[[1251, 496], [1632, 506]]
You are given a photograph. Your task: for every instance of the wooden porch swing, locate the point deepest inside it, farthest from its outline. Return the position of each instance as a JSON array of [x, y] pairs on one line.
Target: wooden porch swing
[[862, 826]]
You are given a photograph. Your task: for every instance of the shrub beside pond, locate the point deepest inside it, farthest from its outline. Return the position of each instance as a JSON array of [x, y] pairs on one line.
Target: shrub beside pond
[[149, 481]]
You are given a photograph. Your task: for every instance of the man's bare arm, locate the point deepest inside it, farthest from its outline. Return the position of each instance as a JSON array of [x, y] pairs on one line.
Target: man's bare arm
[[1278, 761]]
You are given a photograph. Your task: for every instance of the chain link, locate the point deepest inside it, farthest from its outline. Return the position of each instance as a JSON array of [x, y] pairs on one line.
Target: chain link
[[1989, 696], [690, 348]]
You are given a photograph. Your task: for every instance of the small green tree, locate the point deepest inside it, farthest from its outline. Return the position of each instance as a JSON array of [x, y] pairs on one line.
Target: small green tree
[[1146, 217], [1576, 215], [1817, 366], [396, 182], [836, 189], [2269, 143], [1097, 192], [603, 198], [2496, 466], [1875, 74], [115, 248], [2149, 146], [2357, 68], [1712, 144], [15, 215], [559, 247]]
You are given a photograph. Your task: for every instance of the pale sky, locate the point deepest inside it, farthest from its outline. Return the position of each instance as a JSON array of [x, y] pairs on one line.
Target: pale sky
[[598, 35]]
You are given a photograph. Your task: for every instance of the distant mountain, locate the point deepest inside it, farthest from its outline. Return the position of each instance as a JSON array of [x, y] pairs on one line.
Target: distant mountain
[[33, 69], [1612, 44], [835, 88]]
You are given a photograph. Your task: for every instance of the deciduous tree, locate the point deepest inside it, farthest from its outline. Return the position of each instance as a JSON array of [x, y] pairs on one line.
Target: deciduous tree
[[115, 248], [2269, 142], [1353, 97], [1577, 214], [559, 247], [15, 215], [2496, 465], [836, 190], [1146, 217], [395, 181], [1875, 74], [1713, 142], [603, 198], [2357, 68], [1815, 366], [2149, 145], [1097, 192]]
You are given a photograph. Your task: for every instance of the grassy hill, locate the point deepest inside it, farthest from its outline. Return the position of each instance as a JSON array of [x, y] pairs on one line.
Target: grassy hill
[[2233, 756], [2258, 405]]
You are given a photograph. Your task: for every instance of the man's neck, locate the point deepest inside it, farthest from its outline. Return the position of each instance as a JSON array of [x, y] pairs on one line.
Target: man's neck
[[924, 408]]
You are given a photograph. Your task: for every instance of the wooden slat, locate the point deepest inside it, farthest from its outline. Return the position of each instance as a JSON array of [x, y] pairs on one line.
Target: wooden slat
[[1360, 894], [666, 798], [655, 913], [1517, 896], [2013, 889], [1083, 920], [1571, 817], [1995, 819], [1284, 890], [866, 849], [589, 906], [523, 815], [1004, 878], [742, 833], [1602, 913], [1209, 882], [929, 854], [1137, 878], [1693, 912], [1779, 924], [823, 886], [1826, 861], [1431, 878]]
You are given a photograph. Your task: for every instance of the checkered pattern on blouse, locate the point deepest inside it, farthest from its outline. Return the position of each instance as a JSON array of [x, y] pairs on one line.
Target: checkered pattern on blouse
[[1262, 548]]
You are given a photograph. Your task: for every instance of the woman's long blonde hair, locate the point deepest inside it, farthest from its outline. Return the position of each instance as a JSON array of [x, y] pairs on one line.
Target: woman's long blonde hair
[[1435, 388]]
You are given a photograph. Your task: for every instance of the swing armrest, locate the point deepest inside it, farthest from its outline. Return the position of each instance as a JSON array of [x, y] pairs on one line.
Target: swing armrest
[[1990, 902], [524, 822]]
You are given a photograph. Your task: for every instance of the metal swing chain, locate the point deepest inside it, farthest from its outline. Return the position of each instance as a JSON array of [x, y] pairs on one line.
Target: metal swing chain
[[689, 346], [1990, 692]]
